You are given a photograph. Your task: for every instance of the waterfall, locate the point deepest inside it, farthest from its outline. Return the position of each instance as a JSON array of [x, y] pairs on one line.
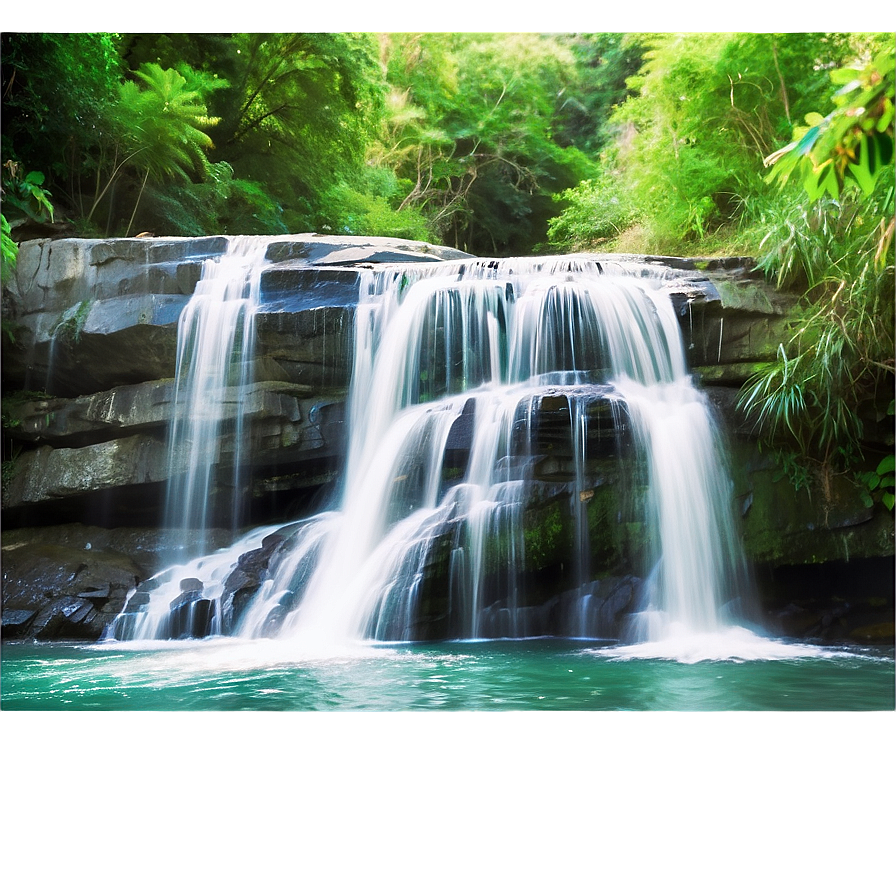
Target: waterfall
[[215, 336], [484, 393], [214, 359]]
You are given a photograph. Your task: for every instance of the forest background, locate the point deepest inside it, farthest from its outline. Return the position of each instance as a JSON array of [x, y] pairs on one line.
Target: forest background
[[776, 146]]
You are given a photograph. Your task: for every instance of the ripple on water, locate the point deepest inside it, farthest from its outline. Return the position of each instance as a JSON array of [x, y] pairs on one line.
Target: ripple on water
[[734, 670]]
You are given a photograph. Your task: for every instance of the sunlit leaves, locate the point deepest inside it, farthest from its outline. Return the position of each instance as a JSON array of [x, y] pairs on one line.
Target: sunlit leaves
[[163, 123], [854, 143]]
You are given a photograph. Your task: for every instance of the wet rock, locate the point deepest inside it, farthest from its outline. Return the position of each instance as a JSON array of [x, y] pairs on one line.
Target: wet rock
[[190, 616], [247, 576], [147, 548], [138, 602], [48, 474], [782, 524], [68, 619], [93, 418], [875, 633], [53, 591], [94, 315], [16, 623], [598, 609], [329, 250], [191, 585]]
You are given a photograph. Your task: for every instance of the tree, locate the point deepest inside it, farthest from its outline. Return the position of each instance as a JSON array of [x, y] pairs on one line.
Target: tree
[[57, 89], [604, 63], [163, 126], [471, 134], [299, 114]]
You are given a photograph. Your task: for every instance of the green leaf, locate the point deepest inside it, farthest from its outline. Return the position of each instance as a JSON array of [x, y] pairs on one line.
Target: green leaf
[[887, 465], [822, 179], [863, 171], [888, 501], [846, 76]]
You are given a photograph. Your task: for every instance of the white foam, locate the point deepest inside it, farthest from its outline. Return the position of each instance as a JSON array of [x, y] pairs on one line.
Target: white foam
[[732, 644]]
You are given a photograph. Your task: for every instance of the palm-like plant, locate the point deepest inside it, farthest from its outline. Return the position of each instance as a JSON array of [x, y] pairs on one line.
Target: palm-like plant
[[160, 127]]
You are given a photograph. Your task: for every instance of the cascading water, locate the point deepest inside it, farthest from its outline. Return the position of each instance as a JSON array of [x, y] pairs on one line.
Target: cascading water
[[459, 371], [215, 336], [214, 358]]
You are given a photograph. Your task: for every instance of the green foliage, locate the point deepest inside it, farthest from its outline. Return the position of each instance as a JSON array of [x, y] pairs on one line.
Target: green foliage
[[604, 63], [71, 325], [838, 367], [597, 212], [163, 122], [880, 483], [470, 128], [25, 194], [706, 110], [219, 203], [792, 465], [299, 114], [56, 88], [9, 256], [854, 142], [159, 128], [370, 211]]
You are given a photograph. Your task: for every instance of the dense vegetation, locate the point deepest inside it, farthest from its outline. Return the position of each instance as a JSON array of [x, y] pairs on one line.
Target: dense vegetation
[[460, 138], [778, 146]]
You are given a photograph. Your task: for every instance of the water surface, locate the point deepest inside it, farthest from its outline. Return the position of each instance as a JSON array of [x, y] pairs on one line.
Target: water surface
[[545, 674]]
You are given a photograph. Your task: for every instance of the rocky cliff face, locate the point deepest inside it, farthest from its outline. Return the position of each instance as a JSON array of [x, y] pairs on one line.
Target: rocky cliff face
[[88, 386]]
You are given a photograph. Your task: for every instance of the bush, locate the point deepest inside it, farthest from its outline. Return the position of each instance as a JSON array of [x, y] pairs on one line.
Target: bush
[[597, 212]]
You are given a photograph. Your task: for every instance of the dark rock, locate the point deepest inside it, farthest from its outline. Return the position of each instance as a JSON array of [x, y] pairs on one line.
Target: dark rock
[[146, 548], [48, 474], [15, 623], [323, 249], [138, 601], [191, 616], [250, 572], [70, 592], [69, 620]]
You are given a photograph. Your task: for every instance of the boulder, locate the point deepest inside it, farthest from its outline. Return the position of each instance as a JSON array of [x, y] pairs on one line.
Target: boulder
[[251, 570], [48, 474]]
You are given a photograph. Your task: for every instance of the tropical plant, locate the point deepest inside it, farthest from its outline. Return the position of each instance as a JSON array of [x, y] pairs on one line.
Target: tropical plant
[[833, 240], [706, 110], [159, 129], [26, 194]]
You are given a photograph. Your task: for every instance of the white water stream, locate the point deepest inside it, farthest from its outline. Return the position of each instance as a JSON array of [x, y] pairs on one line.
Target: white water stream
[[214, 368]]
